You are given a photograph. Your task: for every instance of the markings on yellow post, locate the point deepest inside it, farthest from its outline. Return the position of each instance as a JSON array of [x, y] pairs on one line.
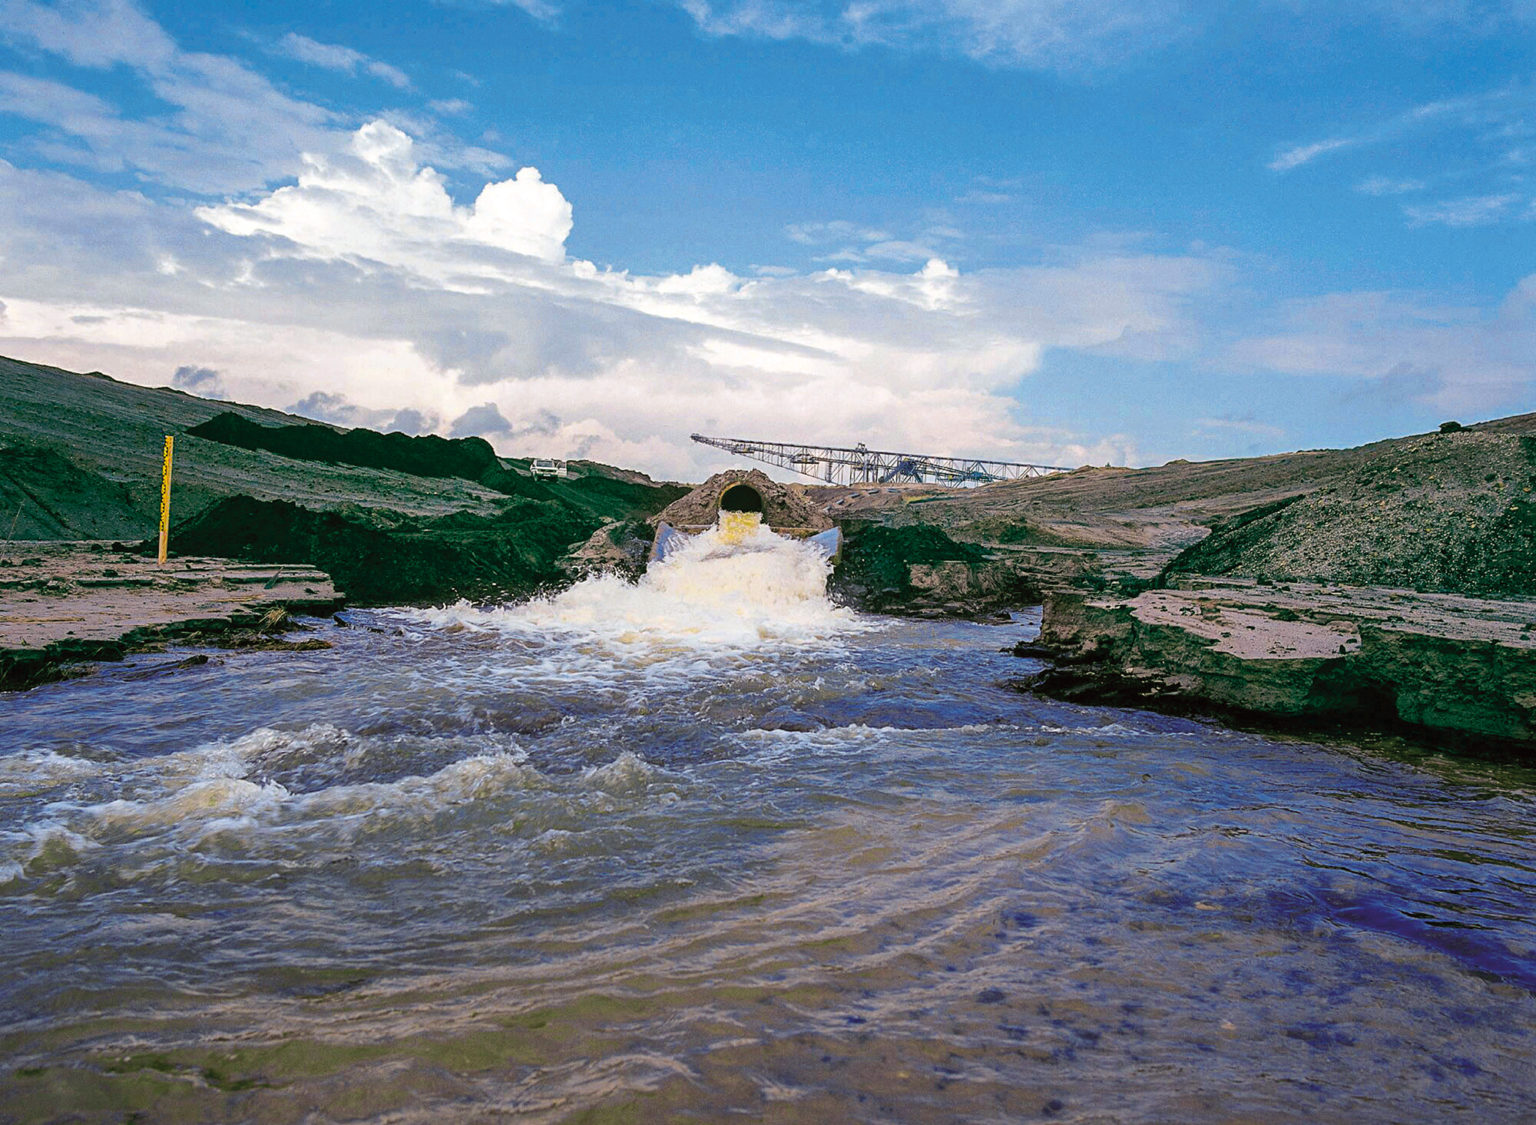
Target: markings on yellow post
[[165, 499]]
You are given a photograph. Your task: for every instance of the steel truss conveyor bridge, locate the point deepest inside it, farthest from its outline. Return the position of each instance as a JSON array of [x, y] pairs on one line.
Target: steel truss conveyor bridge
[[834, 464]]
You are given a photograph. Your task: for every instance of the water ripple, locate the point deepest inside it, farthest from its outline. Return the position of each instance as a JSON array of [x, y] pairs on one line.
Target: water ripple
[[740, 857]]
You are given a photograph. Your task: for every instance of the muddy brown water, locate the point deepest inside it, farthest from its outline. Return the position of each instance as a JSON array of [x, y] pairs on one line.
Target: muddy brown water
[[711, 848]]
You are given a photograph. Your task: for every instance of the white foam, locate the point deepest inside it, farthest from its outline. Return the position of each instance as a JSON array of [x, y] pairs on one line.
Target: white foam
[[214, 799], [32, 771], [771, 747], [1108, 730], [748, 591], [628, 773], [821, 736], [185, 797], [229, 759], [469, 779]]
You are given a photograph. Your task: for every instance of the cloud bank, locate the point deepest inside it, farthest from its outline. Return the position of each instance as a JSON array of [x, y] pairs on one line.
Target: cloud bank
[[367, 277], [236, 239], [364, 294]]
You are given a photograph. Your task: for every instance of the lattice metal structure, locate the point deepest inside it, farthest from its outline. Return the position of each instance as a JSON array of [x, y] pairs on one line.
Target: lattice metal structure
[[833, 464]]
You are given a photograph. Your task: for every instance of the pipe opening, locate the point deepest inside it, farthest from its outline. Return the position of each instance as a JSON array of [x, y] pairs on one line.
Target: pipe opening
[[741, 498]]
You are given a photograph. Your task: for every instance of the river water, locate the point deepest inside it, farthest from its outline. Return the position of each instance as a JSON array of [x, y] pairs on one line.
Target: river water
[[708, 847]]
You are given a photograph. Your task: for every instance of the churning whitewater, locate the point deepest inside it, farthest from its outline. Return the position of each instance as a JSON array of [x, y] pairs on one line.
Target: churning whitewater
[[709, 844], [724, 589]]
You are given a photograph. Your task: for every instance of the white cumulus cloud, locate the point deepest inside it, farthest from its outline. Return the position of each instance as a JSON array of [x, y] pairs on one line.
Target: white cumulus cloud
[[376, 201]]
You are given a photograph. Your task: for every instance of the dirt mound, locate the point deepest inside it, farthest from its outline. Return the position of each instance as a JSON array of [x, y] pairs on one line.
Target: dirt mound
[[427, 456], [1452, 512], [46, 495], [462, 555], [618, 498]]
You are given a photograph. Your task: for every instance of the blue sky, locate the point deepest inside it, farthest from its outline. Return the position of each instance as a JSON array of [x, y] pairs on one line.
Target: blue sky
[[1052, 230]]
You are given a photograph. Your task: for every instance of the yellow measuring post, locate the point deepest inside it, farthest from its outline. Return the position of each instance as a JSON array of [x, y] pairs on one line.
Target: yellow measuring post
[[165, 499]]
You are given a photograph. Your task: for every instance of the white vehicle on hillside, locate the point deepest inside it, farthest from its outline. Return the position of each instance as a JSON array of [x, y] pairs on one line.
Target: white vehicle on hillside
[[547, 468]]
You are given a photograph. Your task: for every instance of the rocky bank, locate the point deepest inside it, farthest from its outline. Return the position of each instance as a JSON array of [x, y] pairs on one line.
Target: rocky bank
[[1448, 669], [1387, 587], [63, 605]]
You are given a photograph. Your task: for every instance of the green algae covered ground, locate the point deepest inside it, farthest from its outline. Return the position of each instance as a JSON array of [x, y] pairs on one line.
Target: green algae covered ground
[[464, 555], [395, 519], [876, 567], [1450, 513]]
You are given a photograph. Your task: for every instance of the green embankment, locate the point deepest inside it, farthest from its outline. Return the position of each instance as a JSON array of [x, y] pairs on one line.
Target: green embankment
[[379, 557], [394, 518], [426, 456], [463, 555], [45, 495], [1452, 513], [875, 572], [112, 434]]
